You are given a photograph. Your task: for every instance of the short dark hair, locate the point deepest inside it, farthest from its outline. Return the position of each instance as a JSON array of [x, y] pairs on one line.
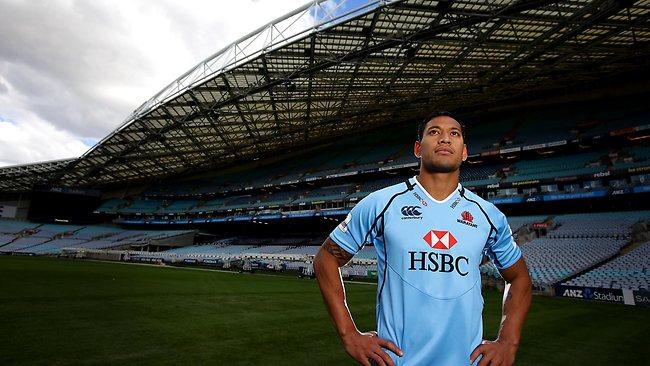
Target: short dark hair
[[433, 115]]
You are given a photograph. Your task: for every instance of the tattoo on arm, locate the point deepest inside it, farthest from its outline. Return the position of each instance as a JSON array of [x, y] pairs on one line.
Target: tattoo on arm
[[339, 253]]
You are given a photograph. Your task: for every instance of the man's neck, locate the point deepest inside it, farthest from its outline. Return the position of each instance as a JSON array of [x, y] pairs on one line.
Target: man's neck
[[439, 185]]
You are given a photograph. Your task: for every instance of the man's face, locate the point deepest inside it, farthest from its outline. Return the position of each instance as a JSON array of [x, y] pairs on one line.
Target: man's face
[[442, 148]]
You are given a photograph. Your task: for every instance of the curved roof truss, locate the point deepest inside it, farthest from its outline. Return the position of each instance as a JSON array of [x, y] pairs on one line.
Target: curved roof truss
[[351, 65]]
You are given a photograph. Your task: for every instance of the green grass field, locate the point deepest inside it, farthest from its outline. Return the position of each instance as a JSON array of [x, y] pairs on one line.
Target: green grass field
[[62, 312]]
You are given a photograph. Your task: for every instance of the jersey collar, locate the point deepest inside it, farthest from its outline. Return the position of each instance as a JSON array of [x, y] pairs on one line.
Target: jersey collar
[[417, 183]]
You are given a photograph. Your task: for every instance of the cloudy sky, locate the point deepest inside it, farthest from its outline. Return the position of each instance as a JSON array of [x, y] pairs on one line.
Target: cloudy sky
[[72, 71]]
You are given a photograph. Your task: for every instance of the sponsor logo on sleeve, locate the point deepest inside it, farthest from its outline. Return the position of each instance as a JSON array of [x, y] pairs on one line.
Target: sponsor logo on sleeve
[[343, 226]]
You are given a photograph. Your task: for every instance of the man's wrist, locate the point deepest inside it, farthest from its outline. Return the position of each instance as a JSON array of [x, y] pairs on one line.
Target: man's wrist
[[348, 333], [508, 341]]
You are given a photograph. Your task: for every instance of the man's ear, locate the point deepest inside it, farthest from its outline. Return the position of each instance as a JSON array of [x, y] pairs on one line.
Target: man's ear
[[464, 152], [417, 149]]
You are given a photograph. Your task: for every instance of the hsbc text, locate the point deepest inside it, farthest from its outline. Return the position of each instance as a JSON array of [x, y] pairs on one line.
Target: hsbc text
[[435, 262]]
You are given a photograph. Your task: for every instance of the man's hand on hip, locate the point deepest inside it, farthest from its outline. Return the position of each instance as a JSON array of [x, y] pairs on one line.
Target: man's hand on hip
[[497, 353], [367, 347]]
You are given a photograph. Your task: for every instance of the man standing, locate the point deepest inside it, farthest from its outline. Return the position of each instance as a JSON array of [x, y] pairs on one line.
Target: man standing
[[430, 234]]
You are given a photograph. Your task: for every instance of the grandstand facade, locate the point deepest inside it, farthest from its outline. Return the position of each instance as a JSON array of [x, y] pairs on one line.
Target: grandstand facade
[[597, 162], [250, 159]]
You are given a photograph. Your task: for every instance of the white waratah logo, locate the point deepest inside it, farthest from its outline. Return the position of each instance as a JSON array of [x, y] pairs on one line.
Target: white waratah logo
[[343, 226]]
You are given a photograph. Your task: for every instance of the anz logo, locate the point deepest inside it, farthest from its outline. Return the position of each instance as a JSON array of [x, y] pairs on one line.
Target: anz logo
[[411, 212], [573, 293]]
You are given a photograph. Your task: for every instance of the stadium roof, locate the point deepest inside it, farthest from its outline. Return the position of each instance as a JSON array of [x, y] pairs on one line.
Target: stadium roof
[[20, 178], [339, 67]]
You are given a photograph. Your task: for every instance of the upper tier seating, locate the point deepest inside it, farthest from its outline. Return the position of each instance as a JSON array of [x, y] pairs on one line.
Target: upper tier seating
[[555, 166]]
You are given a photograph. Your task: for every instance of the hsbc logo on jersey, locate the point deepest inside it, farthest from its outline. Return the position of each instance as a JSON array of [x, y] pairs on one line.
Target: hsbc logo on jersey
[[440, 239], [438, 262], [466, 218]]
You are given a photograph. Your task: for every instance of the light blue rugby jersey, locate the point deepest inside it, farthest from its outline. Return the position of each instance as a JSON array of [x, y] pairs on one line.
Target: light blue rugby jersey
[[429, 300]]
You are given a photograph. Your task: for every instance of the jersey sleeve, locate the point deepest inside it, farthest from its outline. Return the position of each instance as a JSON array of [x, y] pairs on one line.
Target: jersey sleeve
[[503, 251], [359, 227]]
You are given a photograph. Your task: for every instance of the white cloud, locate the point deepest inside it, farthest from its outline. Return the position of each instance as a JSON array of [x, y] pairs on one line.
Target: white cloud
[[36, 141], [72, 71]]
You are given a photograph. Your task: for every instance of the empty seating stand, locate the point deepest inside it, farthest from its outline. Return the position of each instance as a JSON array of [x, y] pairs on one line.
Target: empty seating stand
[[628, 271], [579, 242], [32, 238]]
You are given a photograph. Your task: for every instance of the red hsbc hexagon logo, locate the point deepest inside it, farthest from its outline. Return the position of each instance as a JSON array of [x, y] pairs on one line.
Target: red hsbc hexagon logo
[[440, 239]]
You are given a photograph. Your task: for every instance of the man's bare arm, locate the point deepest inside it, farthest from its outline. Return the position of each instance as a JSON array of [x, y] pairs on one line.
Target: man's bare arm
[[326, 267], [516, 303], [360, 346], [341, 255]]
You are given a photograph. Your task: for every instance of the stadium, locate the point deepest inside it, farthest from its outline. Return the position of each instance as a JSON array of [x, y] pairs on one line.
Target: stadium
[[188, 234]]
